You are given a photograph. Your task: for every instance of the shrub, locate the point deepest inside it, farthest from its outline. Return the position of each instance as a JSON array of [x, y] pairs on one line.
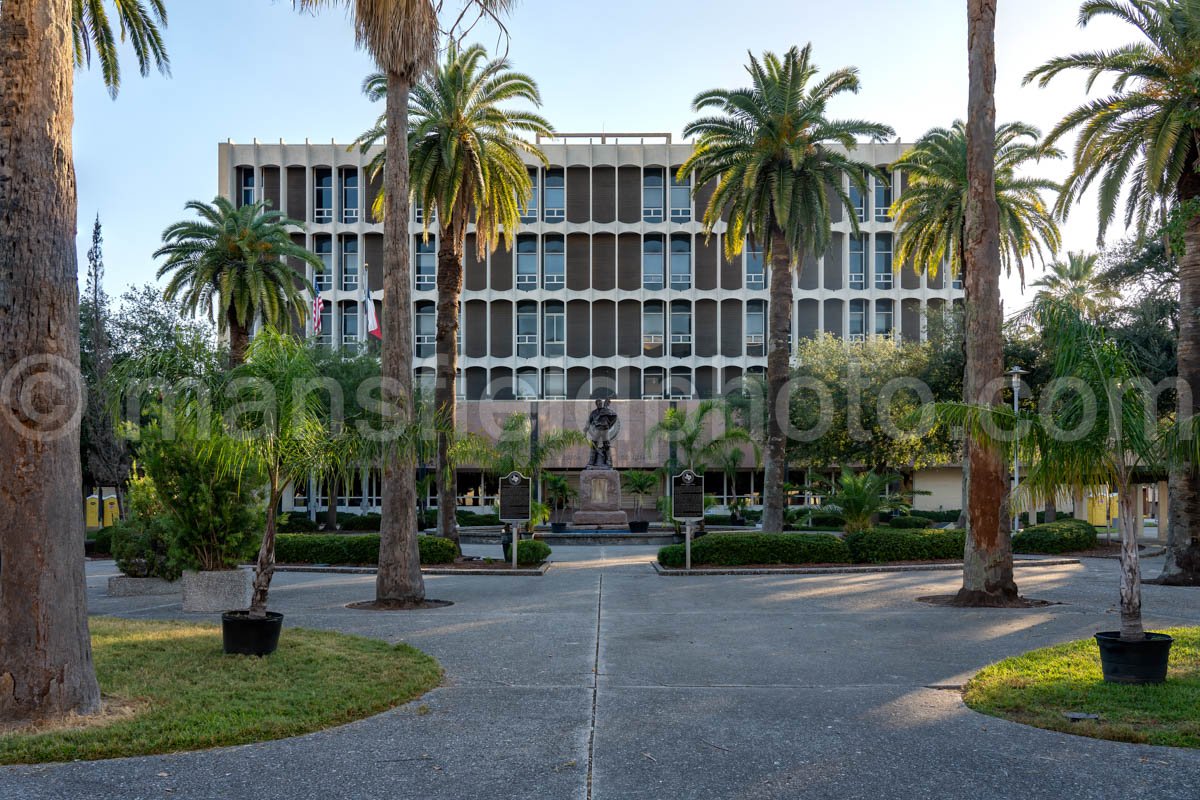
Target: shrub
[[470, 519], [103, 541], [363, 522], [144, 552], [716, 519], [1060, 536], [736, 549], [529, 552], [296, 523], [910, 523], [882, 545], [293, 548], [951, 515], [826, 521]]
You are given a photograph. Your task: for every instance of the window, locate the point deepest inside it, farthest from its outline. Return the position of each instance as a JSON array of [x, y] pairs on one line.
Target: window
[[349, 324], [527, 329], [883, 319], [300, 495], [652, 262], [652, 383], [681, 328], [460, 385], [858, 202], [652, 328], [554, 384], [425, 330], [245, 186], [554, 265], [756, 328], [858, 261], [681, 198], [349, 264], [756, 267], [419, 213], [554, 329], [352, 491], [424, 381], [349, 195], [530, 212], [858, 320], [681, 262], [555, 196], [883, 199], [681, 383], [323, 196], [323, 247], [652, 194], [374, 488], [426, 271], [956, 281], [883, 261], [527, 384], [527, 262], [326, 335]]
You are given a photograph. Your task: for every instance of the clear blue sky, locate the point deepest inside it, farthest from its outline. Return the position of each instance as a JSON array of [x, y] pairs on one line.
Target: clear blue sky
[[255, 68]]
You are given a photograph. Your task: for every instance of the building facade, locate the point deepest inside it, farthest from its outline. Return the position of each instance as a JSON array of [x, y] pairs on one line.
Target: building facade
[[611, 287]]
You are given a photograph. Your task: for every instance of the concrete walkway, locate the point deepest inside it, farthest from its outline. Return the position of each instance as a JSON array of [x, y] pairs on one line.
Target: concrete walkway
[[602, 680]]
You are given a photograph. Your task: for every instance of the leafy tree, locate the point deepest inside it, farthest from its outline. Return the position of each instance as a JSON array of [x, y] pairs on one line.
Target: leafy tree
[[43, 619], [694, 441], [1140, 140], [777, 159], [234, 261], [145, 322]]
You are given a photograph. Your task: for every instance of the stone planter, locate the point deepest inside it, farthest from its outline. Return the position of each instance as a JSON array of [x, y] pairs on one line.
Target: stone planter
[[216, 592], [125, 586]]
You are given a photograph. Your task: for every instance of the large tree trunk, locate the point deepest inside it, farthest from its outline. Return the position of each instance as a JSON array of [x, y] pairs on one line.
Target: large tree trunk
[[45, 651], [1131, 575], [987, 567], [449, 285], [1182, 565], [778, 362], [398, 580]]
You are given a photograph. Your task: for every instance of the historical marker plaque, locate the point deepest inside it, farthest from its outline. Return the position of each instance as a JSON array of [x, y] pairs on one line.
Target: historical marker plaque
[[687, 496], [514, 498]]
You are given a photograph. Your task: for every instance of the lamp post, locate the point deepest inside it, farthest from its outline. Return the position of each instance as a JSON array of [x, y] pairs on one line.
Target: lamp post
[[1016, 373]]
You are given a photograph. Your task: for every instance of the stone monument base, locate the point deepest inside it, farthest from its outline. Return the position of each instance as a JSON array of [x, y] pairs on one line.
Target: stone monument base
[[599, 498]]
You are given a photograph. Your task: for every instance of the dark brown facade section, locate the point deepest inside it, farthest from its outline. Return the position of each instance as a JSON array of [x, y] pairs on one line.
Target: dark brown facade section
[[297, 192], [731, 328], [807, 319], [629, 261], [706, 262], [706, 328], [579, 256], [629, 328], [604, 262], [604, 329], [502, 270], [373, 258], [604, 194], [271, 188], [579, 328], [475, 330], [502, 329], [629, 194], [809, 273], [579, 194], [833, 317], [731, 271], [474, 270], [833, 262]]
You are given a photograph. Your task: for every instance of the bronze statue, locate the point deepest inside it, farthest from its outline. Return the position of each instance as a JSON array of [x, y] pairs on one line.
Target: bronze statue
[[602, 428]]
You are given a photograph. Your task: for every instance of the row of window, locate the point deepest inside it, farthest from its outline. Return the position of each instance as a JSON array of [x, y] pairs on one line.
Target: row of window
[[881, 194], [550, 383], [347, 207]]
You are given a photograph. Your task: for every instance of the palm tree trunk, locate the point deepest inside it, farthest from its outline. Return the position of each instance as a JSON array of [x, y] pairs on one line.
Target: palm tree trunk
[[778, 361], [449, 285], [47, 656], [239, 339], [265, 567], [398, 581], [1131, 582], [1182, 565], [331, 506], [987, 565]]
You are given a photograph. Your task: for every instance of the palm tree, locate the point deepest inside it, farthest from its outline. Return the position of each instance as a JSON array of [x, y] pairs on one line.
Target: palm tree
[[235, 259], [1076, 282], [857, 498], [640, 483], [515, 451], [688, 435], [401, 36], [43, 614], [466, 166], [140, 24], [776, 159], [931, 218], [1141, 140]]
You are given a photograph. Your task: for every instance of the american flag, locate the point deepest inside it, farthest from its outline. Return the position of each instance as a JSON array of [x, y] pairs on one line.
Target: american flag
[[318, 304]]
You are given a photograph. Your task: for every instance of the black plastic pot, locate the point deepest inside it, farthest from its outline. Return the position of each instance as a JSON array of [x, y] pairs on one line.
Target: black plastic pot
[[558, 527], [244, 635], [639, 526], [1134, 662]]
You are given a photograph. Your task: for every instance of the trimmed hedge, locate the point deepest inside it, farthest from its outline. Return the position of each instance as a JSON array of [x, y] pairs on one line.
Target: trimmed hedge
[[102, 539], [950, 515], [296, 523], [736, 549], [363, 522], [910, 522], [881, 545], [529, 552], [469, 519], [1051, 538], [299, 548]]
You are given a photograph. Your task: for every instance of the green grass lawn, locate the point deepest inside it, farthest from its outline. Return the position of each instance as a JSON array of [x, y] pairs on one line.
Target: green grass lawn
[[1038, 687], [185, 694]]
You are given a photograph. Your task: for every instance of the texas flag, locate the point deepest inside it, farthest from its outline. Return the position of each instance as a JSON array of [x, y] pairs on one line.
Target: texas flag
[[372, 317]]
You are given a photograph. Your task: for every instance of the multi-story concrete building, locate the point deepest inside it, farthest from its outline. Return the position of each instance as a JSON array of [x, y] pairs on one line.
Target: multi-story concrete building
[[610, 288]]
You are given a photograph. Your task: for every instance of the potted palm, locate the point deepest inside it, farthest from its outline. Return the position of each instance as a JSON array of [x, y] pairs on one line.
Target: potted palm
[[640, 484], [560, 494]]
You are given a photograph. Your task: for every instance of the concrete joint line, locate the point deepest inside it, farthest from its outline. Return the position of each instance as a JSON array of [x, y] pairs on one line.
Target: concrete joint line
[[591, 755]]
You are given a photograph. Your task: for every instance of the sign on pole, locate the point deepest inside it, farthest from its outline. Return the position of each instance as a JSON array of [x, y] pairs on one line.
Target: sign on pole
[[687, 505], [515, 501]]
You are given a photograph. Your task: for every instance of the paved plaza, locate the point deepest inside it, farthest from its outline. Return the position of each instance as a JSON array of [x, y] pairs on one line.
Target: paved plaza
[[603, 680]]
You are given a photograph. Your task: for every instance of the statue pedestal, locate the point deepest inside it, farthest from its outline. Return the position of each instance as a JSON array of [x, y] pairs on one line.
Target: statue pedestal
[[600, 498]]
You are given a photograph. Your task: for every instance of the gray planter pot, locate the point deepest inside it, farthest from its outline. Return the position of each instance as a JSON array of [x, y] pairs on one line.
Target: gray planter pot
[[215, 592], [125, 586]]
